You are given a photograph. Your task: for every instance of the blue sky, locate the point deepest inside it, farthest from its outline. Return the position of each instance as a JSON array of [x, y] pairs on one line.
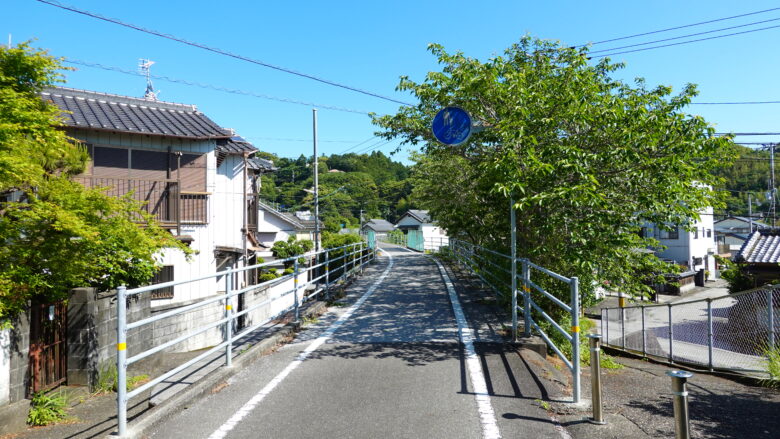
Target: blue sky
[[368, 45]]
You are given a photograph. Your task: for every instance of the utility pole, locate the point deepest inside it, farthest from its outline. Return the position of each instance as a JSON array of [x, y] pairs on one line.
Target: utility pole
[[750, 211], [316, 185], [772, 181]]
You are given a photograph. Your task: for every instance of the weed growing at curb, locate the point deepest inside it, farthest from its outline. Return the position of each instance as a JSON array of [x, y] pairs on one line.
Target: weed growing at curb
[[108, 378], [544, 404], [772, 366], [47, 409]]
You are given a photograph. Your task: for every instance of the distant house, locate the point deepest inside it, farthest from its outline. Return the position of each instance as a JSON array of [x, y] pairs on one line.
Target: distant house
[[420, 229], [379, 226], [761, 254], [693, 249], [732, 232], [278, 225]]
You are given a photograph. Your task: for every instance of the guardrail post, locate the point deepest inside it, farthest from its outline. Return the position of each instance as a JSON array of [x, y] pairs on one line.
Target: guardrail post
[[595, 378], [623, 327], [682, 428], [228, 323], [361, 257], [327, 274], [771, 318], [709, 333], [671, 335], [644, 334], [295, 289], [527, 299], [121, 360], [575, 337]]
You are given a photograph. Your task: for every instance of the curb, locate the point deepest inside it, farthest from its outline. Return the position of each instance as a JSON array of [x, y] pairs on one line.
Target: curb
[[206, 386]]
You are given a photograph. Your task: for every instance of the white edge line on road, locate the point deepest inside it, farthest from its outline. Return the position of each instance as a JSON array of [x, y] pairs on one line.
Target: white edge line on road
[[234, 420], [487, 416]]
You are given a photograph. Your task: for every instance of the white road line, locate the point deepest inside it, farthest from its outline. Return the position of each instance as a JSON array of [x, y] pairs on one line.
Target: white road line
[[486, 414], [231, 423]]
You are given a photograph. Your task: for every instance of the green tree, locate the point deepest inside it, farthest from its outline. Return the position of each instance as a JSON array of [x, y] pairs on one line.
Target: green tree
[[56, 234], [589, 159]]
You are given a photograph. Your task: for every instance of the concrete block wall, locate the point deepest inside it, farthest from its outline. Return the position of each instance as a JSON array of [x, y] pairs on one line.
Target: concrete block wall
[[92, 320], [5, 366], [19, 376], [176, 326]]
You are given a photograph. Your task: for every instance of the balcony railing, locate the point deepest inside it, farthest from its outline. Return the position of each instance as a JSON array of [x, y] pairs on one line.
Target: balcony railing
[[162, 198]]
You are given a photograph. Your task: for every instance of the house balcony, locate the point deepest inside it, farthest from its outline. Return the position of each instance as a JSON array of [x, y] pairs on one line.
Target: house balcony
[[162, 199]]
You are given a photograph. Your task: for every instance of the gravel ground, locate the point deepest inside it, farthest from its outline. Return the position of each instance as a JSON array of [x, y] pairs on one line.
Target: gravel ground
[[638, 399]]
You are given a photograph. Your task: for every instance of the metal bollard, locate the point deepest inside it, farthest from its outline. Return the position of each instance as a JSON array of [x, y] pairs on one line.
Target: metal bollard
[[595, 378], [682, 428]]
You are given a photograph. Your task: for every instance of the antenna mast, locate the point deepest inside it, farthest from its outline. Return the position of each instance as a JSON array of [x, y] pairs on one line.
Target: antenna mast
[[145, 66]]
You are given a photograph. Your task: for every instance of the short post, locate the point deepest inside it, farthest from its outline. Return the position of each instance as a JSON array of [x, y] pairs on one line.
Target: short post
[[709, 333], [622, 327], [295, 289], [327, 274], [771, 318], [595, 378], [644, 334], [121, 360], [682, 428], [575, 338], [229, 322], [526, 299], [671, 335]]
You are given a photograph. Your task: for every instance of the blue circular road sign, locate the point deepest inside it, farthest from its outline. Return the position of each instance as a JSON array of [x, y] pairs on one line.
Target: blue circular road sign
[[452, 125]]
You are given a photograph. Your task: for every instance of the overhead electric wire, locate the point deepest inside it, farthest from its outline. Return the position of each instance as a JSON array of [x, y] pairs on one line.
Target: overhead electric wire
[[735, 103], [277, 139], [680, 27], [355, 146], [219, 51], [683, 42], [684, 36], [210, 86]]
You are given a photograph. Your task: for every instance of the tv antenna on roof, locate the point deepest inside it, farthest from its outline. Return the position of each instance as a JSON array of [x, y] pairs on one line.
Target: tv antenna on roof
[[145, 66]]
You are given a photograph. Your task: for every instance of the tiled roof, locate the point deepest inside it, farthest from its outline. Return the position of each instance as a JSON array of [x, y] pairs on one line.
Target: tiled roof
[[761, 247], [236, 145], [106, 112], [420, 215], [379, 225], [262, 165]]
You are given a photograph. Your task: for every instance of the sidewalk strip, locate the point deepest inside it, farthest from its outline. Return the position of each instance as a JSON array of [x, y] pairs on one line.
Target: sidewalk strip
[[234, 420], [486, 414]]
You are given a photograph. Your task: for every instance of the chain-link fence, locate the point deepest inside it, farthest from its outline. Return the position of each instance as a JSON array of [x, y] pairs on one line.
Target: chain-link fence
[[727, 333]]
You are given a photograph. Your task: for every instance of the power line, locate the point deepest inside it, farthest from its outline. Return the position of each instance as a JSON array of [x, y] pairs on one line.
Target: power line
[[680, 27], [748, 134], [210, 86], [684, 42], [684, 36], [218, 50], [355, 146], [736, 103], [276, 139]]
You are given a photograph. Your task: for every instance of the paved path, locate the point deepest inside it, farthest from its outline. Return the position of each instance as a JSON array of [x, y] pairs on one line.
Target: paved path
[[391, 365]]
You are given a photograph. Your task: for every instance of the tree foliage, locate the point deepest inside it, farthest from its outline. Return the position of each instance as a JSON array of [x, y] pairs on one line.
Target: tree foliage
[[588, 159], [56, 234]]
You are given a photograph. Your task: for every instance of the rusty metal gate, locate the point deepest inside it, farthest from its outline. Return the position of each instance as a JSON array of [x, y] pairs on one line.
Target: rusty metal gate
[[48, 350]]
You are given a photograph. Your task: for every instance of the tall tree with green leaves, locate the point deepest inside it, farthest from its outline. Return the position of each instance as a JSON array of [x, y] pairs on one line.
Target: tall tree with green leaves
[[56, 234], [589, 159]]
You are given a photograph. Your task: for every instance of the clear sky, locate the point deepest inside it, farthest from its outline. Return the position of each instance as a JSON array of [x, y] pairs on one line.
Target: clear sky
[[368, 45]]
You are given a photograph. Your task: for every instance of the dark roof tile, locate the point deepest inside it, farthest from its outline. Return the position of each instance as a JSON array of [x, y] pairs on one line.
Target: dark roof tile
[[762, 246], [102, 111]]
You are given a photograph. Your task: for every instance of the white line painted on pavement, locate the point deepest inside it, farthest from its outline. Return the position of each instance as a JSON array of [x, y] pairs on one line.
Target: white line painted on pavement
[[486, 415], [231, 423]]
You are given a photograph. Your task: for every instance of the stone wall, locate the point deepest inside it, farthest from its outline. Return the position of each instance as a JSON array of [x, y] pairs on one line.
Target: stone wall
[[19, 377]]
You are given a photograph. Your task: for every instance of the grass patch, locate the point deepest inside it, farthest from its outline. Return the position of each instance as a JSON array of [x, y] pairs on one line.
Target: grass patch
[[543, 404], [772, 366], [108, 379], [47, 409], [309, 320]]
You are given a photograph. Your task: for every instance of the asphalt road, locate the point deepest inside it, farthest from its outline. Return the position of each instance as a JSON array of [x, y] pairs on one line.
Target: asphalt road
[[394, 367]]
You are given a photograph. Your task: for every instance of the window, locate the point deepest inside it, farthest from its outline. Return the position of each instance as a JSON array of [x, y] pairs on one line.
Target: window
[[709, 233], [164, 275], [674, 233], [696, 233]]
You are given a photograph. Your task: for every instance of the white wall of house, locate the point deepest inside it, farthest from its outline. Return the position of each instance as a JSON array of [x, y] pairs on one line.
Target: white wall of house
[[5, 366], [271, 228], [699, 243], [432, 232]]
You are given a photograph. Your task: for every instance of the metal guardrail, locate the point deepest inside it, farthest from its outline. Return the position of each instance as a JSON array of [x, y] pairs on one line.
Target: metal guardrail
[[498, 271], [725, 333], [345, 261]]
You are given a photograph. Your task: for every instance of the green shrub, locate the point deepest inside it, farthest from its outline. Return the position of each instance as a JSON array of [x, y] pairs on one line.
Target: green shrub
[[288, 271], [265, 277], [772, 366], [47, 409]]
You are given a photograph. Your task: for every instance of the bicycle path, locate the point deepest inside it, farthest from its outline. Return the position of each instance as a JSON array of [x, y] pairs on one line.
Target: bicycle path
[[390, 365]]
